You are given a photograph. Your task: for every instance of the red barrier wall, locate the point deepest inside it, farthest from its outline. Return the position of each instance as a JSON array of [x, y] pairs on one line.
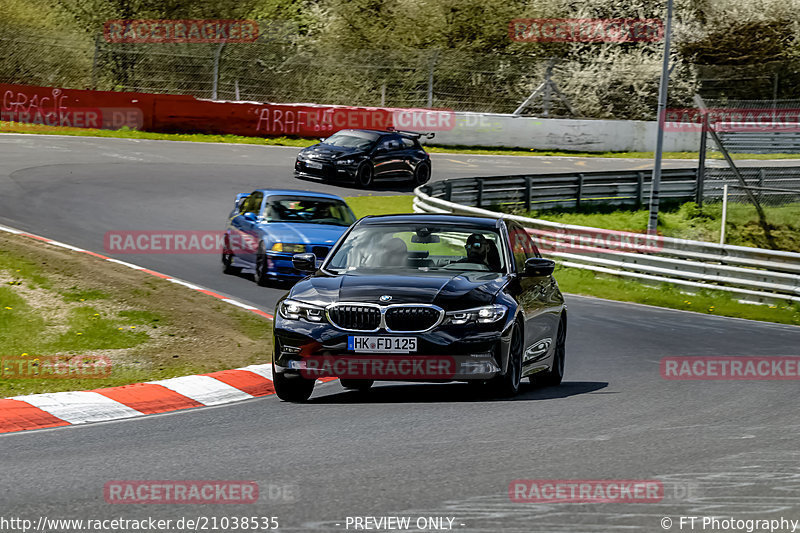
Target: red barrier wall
[[174, 113]]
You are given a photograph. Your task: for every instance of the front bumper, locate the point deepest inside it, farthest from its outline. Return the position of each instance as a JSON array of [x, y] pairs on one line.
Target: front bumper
[[447, 353], [329, 171]]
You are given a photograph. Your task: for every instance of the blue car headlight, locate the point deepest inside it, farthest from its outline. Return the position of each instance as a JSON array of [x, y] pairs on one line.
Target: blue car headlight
[[487, 314], [294, 310]]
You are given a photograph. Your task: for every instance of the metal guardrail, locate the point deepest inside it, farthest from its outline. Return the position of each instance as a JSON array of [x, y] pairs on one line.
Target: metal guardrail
[[543, 191], [573, 189], [761, 142], [751, 274]]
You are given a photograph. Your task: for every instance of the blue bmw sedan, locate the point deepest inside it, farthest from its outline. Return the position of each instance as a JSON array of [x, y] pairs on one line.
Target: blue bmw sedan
[[267, 227]]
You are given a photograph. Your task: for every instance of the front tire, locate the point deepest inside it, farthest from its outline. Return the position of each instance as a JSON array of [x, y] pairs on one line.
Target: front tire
[[262, 276], [227, 261], [365, 175], [507, 385], [553, 377], [296, 389]]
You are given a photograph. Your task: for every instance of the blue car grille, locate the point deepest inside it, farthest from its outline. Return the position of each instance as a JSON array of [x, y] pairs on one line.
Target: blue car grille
[[320, 251]]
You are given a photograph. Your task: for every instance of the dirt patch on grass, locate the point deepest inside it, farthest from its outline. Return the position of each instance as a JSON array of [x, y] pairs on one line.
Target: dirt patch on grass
[[175, 331]]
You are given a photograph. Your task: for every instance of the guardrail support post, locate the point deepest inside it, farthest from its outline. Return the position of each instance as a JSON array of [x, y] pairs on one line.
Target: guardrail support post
[[448, 191], [701, 166], [580, 192], [639, 190], [527, 194], [479, 199]]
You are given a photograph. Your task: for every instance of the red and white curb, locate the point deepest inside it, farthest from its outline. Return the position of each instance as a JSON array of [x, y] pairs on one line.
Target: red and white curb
[[37, 411], [55, 409]]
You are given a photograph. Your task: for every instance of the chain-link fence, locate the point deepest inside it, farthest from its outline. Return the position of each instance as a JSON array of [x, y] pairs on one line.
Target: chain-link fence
[[755, 202]]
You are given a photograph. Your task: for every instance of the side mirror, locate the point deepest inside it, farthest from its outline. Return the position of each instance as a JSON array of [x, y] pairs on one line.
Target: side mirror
[[538, 267], [305, 262], [250, 217]]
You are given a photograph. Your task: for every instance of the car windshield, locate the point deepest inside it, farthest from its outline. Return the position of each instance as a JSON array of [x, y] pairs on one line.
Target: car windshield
[[419, 248], [308, 210], [351, 139]]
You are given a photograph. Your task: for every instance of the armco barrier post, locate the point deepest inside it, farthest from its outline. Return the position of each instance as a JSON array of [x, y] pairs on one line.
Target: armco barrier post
[[701, 165], [639, 189], [479, 199], [528, 194], [580, 191], [448, 190]]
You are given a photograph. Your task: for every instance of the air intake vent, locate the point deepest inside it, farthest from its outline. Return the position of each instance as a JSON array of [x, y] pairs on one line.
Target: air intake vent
[[355, 317], [411, 318]]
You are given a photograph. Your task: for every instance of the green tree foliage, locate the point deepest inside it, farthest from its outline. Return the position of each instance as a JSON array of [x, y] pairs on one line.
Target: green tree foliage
[[354, 51]]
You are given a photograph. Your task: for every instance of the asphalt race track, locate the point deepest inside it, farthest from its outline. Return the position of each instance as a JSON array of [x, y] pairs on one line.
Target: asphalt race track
[[722, 448]]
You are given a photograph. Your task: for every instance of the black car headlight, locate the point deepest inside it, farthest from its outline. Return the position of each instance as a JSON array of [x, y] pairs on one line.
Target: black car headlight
[[345, 162], [486, 314], [294, 310]]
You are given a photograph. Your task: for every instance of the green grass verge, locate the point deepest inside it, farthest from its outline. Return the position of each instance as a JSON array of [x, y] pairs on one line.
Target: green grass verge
[[712, 302], [125, 133], [688, 221], [380, 205]]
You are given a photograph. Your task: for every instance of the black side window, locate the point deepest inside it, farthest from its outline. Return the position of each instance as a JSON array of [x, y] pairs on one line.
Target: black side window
[[522, 246], [252, 203], [391, 144], [409, 143]]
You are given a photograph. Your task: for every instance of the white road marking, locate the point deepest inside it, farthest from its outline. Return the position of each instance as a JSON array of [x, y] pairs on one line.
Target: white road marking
[[79, 407], [204, 389]]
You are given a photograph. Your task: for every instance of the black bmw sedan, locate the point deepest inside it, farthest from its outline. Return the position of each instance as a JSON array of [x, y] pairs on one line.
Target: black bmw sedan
[[364, 156], [422, 298]]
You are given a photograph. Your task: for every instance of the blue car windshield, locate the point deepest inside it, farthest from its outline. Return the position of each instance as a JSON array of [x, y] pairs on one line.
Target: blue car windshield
[[418, 249], [358, 140], [308, 210]]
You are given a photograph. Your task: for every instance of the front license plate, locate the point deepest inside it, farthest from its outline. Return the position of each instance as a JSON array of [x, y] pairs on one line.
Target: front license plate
[[313, 164], [360, 344]]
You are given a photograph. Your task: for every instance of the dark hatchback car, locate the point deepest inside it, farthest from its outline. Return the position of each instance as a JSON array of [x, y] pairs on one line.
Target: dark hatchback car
[[471, 294], [364, 156]]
